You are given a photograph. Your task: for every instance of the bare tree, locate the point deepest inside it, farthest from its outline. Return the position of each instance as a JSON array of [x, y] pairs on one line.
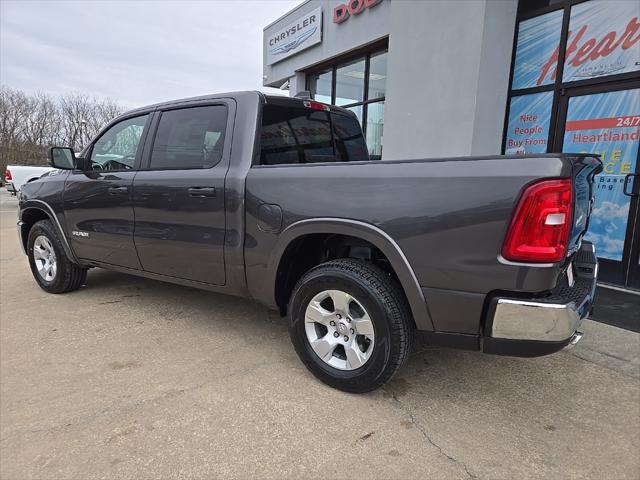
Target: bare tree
[[29, 124], [41, 122], [75, 111], [13, 113]]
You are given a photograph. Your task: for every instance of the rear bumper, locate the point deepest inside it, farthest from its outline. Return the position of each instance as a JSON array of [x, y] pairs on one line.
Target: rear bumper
[[10, 187], [538, 326]]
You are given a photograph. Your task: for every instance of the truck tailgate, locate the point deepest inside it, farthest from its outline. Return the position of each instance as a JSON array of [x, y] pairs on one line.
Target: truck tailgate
[[585, 167]]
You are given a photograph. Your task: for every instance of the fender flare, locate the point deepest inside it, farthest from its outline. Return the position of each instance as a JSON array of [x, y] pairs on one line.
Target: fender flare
[[44, 207], [371, 234]]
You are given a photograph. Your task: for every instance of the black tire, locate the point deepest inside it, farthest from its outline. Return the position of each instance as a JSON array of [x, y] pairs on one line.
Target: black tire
[[382, 298], [69, 276]]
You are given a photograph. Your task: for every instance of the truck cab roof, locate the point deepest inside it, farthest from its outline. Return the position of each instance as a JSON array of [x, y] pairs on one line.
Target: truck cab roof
[[247, 95]]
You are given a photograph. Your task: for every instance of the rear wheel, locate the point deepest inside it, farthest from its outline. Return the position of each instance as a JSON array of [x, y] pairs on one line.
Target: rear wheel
[[350, 324], [50, 267]]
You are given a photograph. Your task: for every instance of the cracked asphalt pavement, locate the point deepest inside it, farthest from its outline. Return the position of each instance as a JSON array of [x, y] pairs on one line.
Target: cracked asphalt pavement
[[132, 378]]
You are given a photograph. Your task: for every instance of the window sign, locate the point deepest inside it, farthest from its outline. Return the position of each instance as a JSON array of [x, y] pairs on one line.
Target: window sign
[[607, 124], [604, 39], [538, 39], [529, 118]]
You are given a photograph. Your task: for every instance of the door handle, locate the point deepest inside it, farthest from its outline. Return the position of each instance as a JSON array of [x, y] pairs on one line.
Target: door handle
[[118, 190], [631, 178], [202, 192]]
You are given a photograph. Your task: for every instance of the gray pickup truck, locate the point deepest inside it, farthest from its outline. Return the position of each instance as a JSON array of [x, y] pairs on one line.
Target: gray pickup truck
[[275, 199]]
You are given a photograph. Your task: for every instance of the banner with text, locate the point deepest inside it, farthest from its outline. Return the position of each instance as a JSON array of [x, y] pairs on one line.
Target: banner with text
[[607, 124], [604, 39], [528, 128]]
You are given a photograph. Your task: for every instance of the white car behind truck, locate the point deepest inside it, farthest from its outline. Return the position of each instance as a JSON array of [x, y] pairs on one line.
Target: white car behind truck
[[17, 175]]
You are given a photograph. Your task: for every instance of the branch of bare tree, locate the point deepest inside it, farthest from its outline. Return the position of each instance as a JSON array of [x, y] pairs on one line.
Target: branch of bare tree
[[30, 124]]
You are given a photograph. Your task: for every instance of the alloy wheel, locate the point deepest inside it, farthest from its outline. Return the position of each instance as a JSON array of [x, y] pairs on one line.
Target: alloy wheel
[[339, 330], [45, 258]]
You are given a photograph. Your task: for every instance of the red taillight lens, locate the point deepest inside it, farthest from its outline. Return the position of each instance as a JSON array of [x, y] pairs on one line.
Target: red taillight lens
[[316, 105], [539, 229], [7, 175]]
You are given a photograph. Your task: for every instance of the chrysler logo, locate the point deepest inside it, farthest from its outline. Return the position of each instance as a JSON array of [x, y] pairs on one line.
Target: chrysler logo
[[293, 43]]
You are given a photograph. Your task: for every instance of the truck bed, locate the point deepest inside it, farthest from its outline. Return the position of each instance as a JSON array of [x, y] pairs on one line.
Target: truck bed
[[448, 216]]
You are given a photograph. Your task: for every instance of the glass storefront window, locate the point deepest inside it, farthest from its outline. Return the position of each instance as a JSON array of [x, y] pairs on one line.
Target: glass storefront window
[[537, 51], [360, 86], [607, 124], [377, 76], [529, 120], [350, 83], [320, 86], [375, 125], [602, 39], [593, 106]]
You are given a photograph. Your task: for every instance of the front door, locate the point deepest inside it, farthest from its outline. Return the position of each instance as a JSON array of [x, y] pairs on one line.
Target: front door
[[98, 202], [180, 196], [606, 121]]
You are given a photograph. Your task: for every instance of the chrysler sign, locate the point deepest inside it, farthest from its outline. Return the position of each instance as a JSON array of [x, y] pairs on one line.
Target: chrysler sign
[[295, 37]]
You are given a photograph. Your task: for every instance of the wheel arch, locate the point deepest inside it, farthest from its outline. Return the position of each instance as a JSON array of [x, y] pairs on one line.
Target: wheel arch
[[34, 212], [365, 232]]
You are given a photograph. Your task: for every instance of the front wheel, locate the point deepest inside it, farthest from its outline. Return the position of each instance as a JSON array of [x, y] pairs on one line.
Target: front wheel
[[50, 267], [350, 324]]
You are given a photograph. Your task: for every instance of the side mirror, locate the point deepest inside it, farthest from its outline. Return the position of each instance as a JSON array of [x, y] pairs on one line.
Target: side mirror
[[62, 158]]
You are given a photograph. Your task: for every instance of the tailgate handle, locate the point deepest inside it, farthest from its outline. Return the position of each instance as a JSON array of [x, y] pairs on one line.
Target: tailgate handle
[[118, 190], [631, 178], [202, 192]]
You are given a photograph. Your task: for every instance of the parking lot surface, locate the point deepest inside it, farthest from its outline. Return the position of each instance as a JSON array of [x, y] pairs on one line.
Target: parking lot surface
[[132, 378]]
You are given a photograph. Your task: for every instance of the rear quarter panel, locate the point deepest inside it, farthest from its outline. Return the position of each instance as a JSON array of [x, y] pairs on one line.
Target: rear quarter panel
[[448, 217]]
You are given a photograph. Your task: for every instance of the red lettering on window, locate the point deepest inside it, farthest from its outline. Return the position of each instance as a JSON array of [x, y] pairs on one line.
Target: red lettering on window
[[591, 49]]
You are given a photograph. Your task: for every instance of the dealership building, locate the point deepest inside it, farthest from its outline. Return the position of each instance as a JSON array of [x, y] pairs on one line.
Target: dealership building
[[443, 78]]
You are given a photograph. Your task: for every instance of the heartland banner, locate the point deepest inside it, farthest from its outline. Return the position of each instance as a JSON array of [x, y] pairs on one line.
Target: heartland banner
[[603, 39], [607, 124]]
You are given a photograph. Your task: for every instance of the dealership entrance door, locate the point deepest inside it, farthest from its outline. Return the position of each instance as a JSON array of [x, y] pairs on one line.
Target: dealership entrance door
[[606, 120]]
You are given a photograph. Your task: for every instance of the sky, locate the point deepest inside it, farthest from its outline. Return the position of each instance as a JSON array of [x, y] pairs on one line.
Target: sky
[[135, 52]]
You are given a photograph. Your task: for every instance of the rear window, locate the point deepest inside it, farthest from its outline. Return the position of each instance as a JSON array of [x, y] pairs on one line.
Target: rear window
[[302, 135]]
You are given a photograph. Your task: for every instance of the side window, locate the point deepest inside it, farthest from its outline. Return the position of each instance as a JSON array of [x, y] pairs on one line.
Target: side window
[[118, 147], [304, 135], [189, 138]]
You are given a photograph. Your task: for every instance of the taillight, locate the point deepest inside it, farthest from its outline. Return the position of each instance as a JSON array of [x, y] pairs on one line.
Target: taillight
[[316, 105], [7, 175], [539, 229]]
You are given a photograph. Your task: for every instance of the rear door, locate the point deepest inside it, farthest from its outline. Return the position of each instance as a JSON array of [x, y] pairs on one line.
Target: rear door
[[98, 202], [179, 195]]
